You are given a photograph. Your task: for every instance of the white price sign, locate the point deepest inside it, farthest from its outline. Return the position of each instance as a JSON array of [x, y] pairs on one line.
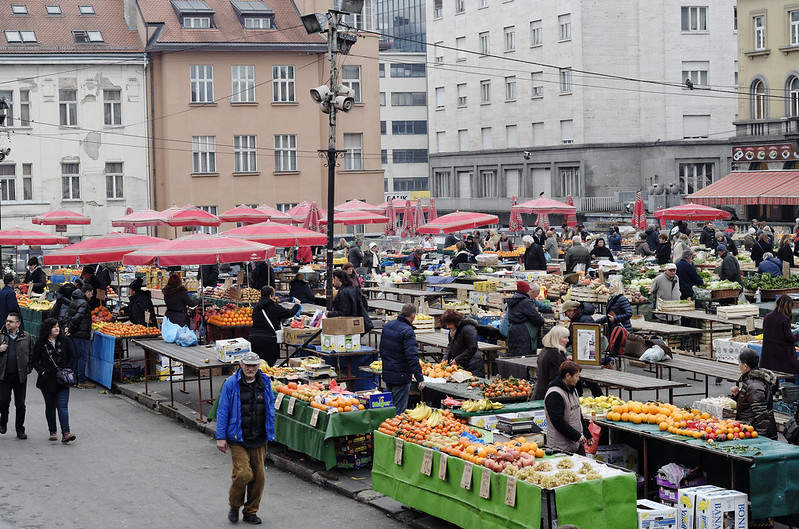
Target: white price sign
[[398, 445], [292, 402], [442, 467], [427, 462], [279, 400], [466, 477], [510, 492], [314, 417]]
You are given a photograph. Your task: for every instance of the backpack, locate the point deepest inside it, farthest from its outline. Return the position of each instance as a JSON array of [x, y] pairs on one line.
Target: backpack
[[618, 337]]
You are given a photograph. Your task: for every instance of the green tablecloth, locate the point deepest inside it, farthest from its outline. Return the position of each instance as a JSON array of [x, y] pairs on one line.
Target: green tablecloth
[[511, 407], [607, 504], [32, 320], [773, 486], [296, 432]]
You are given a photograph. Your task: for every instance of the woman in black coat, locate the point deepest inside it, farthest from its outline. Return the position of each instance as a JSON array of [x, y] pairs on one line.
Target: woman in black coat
[[140, 304], [462, 349], [617, 310], [299, 289], [754, 397], [461, 255], [349, 301], [525, 322], [663, 252], [267, 317], [551, 356], [53, 350], [601, 251], [779, 340], [762, 246], [177, 300], [785, 253]]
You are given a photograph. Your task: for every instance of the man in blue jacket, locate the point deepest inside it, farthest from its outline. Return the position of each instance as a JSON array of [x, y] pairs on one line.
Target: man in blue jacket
[[245, 422], [400, 354], [770, 265], [8, 298], [689, 277]]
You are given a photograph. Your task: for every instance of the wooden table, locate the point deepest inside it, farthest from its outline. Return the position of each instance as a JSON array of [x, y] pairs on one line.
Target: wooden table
[[629, 381], [513, 366], [712, 318], [403, 294], [396, 306], [199, 357]]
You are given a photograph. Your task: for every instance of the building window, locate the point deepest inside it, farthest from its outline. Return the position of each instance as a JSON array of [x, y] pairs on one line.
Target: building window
[[258, 23], [353, 147], [351, 78], [70, 181], [113, 180], [463, 140], [487, 138], [538, 84], [112, 107], [382, 128], [409, 127], [757, 96], [27, 181], [19, 9], [735, 73], [696, 72], [565, 80], [86, 10], [485, 43], [24, 108], [408, 99], [243, 77], [441, 138], [285, 152], [695, 176], [53, 10], [510, 88], [383, 156], [244, 154], [14, 36], [759, 23], [538, 133], [82, 36], [460, 6], [441, 183], [569, 181], [407, 69], [510, 38], [485, 92], [210, 230], [482, 3], [567, 131], [564, 27], [794, 27], [695, 127], [488, 184], [438, 9], [410, 184], [68, 107], [462, 95], [792, 95], [536, 33], [409, 156], [439, 52], [381, 69], [439, 97], [8, 182], [203, 151], [511, 136], [694, 18], [8, 97], [196, 22], [460, 46], [202, 84], [382, 97], [284, 207]]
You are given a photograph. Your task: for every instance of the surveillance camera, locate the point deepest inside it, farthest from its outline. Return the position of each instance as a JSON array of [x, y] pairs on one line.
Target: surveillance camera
[[4, 153], [526, 155], [320, 93]]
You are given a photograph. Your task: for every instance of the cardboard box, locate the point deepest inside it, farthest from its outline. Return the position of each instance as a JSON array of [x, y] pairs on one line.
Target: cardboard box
[[489, 421], [478, 297], [668, 494], [686, 505], [353, 461], [375, 400], [341, 342], [297, 361], [232, 350], [298, 336], [653, 515], [342, 326], [684, 484], [709, 507], [163, 372], [620, 455], [485, 286], [726, 350]]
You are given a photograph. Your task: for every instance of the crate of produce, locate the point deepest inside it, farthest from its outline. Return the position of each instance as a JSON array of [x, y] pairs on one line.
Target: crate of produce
[[726, 350], [738, 311], [772, 294], [424, 325], [675, 305], [588, 295], [485, 286], [725, 293]]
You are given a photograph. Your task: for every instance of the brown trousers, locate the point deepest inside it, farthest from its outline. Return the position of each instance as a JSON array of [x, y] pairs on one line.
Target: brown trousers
[[248, 477]]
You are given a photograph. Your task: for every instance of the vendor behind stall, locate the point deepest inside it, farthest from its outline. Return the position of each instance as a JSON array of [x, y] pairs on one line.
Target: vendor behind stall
[[177, 300], [140, 302], [462, 349], [267, 317], [566, 429], [299, 289], [35, 277]]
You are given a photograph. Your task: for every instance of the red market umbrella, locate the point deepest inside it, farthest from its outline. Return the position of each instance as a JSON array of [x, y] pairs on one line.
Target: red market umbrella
[[17, 236], [129, 229], [407, 220], [282, 235], [544, 205], [275, 215], [140, 219], [103, 249], [358, 205], [391, 226], [432, 214], [639, 213], [542, 221], [418, 217], [299, 213], [313, 221], [191, 216], [61, 217], [352, 218], [662, 219], [516, 223], [244, 214], [570, 218], [691, 212], [199, 249], [458, 221]]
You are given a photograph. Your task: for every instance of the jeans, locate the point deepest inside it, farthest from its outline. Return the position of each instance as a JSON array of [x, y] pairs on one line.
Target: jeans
[[57, 402], [399, 396], [248, 477], [83, 347], [7, 386]]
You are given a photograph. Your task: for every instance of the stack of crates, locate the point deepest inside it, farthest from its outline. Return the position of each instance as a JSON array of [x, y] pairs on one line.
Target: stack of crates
[[354, 451]]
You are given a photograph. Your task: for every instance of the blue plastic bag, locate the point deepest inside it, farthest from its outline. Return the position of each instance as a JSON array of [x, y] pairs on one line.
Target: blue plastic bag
[[169, 331], [186, 337]]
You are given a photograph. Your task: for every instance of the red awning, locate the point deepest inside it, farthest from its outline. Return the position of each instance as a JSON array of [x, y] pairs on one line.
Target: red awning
[[751, 188]]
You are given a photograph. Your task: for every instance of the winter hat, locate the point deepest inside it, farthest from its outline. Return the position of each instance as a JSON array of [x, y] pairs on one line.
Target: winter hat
[[570, 305], [721, 248], [523, 287]]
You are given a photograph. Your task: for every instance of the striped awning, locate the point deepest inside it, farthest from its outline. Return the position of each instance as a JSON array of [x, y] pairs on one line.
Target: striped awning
[[751, 188]]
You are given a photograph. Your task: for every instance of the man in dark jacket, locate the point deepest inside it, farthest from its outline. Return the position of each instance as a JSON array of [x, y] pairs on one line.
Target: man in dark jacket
[[754, 397], [16, 347], [210, 275], [79, 328], [708, 236], [90, 279], [8, 298], [525, 322], [298, 288], [578, 257], [263, 275], [35, 277], [730, 269], [534, 258], [355, 255], [140, 304], [400, 355], [652, 234], [689, 277], [770, 265]]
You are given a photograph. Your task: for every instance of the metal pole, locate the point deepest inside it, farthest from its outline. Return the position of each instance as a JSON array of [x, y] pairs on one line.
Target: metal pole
[[331, 154]]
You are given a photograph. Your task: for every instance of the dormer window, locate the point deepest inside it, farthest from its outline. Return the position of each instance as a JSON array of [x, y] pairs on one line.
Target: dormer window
[[254, 14], [86, 10], [194, 14], [53, 10], [20, 37], [19, 9], [82, 36]]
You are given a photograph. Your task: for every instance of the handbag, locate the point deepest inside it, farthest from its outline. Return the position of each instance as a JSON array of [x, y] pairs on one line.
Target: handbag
[[278, 333], [64, 377]]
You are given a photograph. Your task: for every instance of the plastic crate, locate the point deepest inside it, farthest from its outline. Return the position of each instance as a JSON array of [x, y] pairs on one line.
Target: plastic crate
[[790, 393], [784, 407]]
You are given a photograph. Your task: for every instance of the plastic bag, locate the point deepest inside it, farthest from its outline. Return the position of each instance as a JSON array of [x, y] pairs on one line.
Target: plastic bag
[[596, 431], [169, 331], [504, 324], [653, 354], [186, 337]]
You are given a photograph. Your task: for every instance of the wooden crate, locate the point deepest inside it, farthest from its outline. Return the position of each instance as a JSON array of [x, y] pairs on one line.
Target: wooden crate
[[675, 305], [771, 295], [424, 326], [588, 295], [738, 311], [725, 293]]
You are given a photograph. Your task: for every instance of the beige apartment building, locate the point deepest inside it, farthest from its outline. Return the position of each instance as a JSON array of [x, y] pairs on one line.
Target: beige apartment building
[[232, 120]]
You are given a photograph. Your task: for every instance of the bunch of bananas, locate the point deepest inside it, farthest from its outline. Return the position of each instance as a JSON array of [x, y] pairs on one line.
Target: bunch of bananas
[[421, 412], [435, 418], [377, 365], [481, 405]]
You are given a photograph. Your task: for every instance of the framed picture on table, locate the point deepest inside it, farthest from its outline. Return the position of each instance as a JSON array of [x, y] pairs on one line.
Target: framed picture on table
[[587, 343]]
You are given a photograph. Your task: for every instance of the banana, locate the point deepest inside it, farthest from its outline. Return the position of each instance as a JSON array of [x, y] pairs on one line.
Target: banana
[[498, 405], [435, 418]]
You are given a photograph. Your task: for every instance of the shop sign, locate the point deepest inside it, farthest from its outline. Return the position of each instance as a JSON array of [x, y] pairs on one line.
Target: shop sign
[[766, 153]]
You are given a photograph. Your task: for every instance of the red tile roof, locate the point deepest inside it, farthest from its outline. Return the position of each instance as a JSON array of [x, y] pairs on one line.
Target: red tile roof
[[228, 28], [54, 32]]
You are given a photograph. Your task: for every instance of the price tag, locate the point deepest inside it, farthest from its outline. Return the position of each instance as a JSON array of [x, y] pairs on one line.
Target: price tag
[[485, 484], [510, 492], [279, 400], [314, 417], [427, 462], [466, 477], [442, 467], [398, 444], [750, 324], [292, 402]]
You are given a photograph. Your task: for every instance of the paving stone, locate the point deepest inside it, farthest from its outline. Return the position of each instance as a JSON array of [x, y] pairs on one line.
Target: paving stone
[[366, 496], [388, 505]]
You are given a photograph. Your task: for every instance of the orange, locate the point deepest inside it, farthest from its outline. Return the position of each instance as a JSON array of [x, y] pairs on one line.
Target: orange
[[663, 426], [625, 417]]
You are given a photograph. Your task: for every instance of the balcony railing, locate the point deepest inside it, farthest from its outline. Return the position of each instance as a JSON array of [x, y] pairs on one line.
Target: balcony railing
[[584, 204], [768, 128]]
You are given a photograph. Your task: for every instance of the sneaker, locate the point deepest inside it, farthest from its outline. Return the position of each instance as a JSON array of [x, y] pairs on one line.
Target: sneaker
[[67, 437], [53, 436], [252, 519], [233, 515], [22, 435]]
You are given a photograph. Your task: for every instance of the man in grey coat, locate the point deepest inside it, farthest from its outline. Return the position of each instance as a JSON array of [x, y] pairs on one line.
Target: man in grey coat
[[16, 347]]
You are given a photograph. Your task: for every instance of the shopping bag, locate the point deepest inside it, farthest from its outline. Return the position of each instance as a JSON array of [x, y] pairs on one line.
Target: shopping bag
[[186, 337], [504, 324], [596, 431], [169, 330]]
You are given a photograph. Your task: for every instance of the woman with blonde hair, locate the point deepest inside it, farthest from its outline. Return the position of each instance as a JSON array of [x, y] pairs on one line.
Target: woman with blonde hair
[[680, 247], [493, 239], [552, 355], [785, 253]]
